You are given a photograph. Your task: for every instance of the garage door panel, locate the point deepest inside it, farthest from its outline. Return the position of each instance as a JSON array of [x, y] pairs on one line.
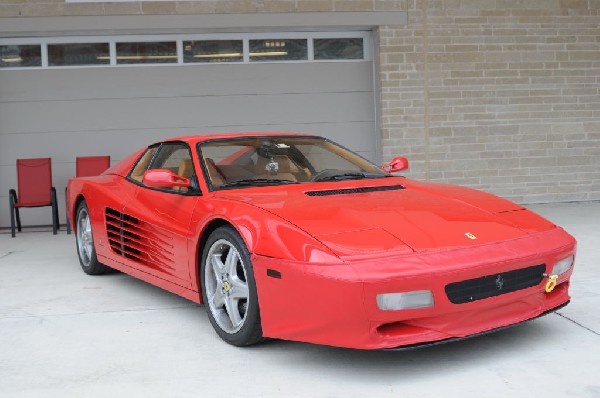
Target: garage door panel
[[186, 112], [184, 81], [119, 143], [65, 113]]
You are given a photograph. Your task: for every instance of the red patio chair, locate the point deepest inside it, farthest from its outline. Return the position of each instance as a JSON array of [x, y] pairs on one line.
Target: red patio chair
[[34, 184], [88, 166]]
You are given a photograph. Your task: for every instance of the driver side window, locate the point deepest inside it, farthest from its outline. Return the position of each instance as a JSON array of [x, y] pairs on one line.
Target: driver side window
[[177, 158], [142, 165]]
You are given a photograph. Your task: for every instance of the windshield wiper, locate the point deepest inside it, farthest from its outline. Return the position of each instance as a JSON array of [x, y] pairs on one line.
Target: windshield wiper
[[256, 181], [351, 176]]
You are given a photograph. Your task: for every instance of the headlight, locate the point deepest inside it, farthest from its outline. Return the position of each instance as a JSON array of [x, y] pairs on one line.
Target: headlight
[[562, 266], [405, 301]]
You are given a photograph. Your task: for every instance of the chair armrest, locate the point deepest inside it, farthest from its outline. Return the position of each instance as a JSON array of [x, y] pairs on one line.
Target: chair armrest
[[13, 195]]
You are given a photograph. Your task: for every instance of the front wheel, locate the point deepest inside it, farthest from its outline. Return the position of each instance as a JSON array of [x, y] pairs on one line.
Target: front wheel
[[85, 242], [229, 289]]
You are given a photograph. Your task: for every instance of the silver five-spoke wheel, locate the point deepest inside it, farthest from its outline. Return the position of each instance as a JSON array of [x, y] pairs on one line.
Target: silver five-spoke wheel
[[228, 288], [84, 239]]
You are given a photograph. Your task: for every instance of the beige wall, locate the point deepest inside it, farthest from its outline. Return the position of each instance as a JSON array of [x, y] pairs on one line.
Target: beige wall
[[501, 95]]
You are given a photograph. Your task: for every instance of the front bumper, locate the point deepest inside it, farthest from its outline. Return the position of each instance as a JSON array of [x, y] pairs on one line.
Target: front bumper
[[336, 304], [453, 339]]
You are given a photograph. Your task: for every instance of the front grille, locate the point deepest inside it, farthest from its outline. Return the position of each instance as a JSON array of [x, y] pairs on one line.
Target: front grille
[[353, 190], [494, 285]]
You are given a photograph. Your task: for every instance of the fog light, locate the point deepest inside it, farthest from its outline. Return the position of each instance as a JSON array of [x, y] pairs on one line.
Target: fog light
[[405, 301], [562, 266]]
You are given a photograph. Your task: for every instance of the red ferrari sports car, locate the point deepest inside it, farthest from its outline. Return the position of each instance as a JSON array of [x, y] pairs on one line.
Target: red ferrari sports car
[[292, 236]]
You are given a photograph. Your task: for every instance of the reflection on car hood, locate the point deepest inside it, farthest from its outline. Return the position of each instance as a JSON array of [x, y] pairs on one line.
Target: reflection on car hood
[[366, 218]]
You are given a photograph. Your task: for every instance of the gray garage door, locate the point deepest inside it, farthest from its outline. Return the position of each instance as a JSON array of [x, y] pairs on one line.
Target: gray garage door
[[64, 113]]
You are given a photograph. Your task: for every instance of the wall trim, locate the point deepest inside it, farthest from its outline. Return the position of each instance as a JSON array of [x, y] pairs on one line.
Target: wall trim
[[164, 24]]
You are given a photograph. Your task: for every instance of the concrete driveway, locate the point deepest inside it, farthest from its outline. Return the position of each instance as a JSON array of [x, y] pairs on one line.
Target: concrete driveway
[[66, 334]]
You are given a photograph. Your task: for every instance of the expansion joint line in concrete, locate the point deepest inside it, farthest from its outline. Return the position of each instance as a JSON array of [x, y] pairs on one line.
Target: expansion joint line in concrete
[[9, 253], [577, 323]]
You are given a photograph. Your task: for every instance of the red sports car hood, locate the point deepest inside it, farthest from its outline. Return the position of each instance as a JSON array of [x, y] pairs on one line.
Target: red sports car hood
[[394, 215]]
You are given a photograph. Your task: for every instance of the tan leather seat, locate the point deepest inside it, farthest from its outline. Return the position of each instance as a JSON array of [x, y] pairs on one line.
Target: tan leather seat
[[186, 168], [213, 173]]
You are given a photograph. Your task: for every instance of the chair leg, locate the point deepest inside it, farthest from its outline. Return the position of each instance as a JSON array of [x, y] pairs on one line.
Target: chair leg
[[12, 197], [67, 215], [54, 211], [18, 216]]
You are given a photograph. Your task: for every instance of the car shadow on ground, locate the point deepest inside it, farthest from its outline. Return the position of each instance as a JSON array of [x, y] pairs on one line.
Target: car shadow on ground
[[455, 356]]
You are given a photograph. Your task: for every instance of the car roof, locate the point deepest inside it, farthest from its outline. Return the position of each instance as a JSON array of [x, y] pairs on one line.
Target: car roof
[[193, 139]]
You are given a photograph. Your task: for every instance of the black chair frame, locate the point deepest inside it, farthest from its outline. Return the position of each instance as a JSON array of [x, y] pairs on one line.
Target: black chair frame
[[15, 216]]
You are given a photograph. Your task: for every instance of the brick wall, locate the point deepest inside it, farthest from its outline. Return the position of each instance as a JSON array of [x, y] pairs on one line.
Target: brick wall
[[500, 95]]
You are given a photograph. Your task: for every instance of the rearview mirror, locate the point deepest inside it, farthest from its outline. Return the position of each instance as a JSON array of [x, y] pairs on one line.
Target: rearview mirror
[[162, 178], [397, 164]]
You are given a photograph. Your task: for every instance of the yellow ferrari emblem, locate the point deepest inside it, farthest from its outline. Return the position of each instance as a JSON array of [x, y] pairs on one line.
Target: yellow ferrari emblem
[[470, 236], [226, 286]]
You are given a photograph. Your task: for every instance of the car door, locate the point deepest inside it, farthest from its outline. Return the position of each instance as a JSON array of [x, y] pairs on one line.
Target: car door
[[163, 216]]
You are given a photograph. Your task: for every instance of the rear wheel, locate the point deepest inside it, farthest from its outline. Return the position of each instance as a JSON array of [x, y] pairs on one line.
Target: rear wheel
[[229, 289], [85, 242]]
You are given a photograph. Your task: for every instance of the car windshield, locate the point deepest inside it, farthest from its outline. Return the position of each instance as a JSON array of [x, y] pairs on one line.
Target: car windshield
[[279, 160]]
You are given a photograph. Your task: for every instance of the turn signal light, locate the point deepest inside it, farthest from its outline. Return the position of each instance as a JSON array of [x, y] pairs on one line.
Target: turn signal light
[[405, 301], [562, 266]]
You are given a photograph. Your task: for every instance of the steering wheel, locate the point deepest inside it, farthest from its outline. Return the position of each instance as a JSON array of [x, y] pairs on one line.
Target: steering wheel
[[324, 173]]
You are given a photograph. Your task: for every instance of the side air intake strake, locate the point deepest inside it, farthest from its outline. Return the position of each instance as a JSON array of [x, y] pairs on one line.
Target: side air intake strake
[[138, 241], [349, 191]]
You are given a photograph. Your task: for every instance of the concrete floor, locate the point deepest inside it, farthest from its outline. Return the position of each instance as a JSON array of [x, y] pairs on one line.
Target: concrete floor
[[64, 333]]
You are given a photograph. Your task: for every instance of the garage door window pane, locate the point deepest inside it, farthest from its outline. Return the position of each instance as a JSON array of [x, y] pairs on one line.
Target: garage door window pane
[[278, 50], [78, 54], [147, 53], [339, 48], [20, 56], [213, 51]]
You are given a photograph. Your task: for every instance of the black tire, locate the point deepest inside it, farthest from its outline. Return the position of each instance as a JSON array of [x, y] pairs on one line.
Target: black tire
[[84, 240], [226, 291]]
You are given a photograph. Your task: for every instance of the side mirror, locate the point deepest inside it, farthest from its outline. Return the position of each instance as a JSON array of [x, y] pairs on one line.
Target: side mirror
[[162, 178], [397, 164]]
